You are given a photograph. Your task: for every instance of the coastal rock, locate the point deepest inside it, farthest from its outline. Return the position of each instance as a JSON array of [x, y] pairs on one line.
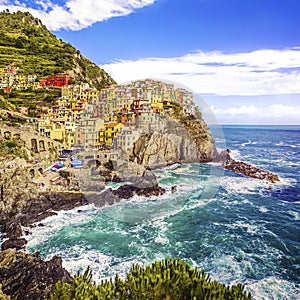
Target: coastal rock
[[184, 141], [107, 197], [21, 205], [128, 171], [16, 191], [26, 277], [127, 191], [244, 168], [85, 181], [155, 150], [143, 186], [17, 243]]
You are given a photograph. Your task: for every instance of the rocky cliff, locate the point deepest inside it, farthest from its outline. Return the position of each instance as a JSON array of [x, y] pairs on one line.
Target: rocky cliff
[[22, 203], [177, 139], [27, 277]]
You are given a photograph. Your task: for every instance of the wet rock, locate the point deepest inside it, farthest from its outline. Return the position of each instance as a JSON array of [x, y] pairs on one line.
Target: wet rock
[[173, 189], [105, 198], [128, 190], [14, 243], [26, 212], [13, 229], [146, 186], [27, 277], [244, 168]]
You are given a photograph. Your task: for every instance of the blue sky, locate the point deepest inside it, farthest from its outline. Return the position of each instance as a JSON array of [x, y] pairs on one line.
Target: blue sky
[[241, 56]]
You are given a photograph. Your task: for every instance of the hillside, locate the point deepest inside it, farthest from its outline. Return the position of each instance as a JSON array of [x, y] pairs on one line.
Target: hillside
[[27, 44]]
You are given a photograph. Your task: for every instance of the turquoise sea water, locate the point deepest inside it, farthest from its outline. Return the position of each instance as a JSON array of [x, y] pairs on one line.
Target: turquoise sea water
[[236, 228]]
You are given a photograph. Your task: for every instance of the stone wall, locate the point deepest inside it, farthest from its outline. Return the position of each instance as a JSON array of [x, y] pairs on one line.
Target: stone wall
[[29, 138]]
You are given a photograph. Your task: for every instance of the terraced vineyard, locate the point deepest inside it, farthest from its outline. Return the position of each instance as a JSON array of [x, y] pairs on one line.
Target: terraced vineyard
[[26, 43]]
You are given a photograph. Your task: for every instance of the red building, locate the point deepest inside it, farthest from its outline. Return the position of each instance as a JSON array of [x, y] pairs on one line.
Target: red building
[[57, 80], [6, 89]]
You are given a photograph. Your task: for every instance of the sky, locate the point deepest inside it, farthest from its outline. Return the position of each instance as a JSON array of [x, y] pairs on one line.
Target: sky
[[241, 56]]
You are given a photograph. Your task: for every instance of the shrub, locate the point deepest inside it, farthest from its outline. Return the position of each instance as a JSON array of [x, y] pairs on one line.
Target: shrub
[[10, 144], [109, 165], [167, 279], [64, 174]]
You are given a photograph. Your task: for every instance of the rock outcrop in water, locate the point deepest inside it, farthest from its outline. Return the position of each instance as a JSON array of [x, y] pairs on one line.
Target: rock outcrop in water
[[182, 139], [27, 277], [28, 211], [244, 168], [144, 184]]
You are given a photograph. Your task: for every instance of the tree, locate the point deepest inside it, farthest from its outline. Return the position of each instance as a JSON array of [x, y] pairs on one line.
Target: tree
[[19, 43], [49, 98], [168, 279]]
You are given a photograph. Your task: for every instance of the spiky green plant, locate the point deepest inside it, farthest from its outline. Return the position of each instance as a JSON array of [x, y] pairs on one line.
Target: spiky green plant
[[169, 279]]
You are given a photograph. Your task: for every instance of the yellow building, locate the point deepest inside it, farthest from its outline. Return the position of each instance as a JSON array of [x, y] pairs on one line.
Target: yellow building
[[111, 92], [111, 131], [93, 96], [111, 118], [57, 132], [69, 138], [63, 102], [157, 107], [102, 139], [123, 104], [90, 95], [44, 125], [68, 92], [156, 98]]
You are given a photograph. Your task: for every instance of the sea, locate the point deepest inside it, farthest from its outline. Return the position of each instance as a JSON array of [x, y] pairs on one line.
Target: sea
[[238, 229]]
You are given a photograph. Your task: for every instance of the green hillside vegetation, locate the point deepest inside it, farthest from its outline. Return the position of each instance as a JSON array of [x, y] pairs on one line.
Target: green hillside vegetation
[[11, 148], [169, 279], [5, 103], [27, 44], [29, 98]]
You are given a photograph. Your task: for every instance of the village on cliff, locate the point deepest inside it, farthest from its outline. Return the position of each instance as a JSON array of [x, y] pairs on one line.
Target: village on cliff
[[94, 119], [105, 125], [106, 121]]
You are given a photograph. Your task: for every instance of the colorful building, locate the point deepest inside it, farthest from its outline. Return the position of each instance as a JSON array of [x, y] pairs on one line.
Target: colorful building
[[126, 139], [58, 80], [87, 133], [111, 131]]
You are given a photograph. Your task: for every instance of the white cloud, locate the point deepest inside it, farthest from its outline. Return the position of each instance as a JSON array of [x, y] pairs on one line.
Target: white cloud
[[271, 114], [75, 14], [280, 110], [249, 110], [260, 72]]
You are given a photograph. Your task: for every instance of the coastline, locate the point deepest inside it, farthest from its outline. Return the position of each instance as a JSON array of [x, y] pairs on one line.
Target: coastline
[[36, 273], [47, 203], [37, 205]]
